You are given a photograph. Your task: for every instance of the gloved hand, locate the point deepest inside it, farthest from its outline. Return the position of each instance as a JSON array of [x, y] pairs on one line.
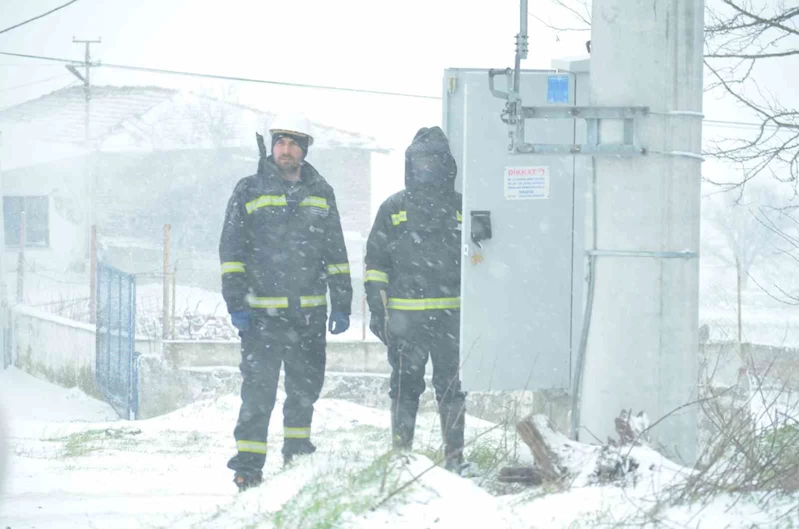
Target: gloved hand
[[339, 322], [377, 324], [240, 319]]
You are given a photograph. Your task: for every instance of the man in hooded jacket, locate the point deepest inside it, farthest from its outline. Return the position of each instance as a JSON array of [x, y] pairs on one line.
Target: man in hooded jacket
[[281, 248], [413, 290]]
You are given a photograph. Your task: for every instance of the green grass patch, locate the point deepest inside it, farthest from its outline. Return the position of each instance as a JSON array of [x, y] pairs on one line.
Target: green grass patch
[[321, 503], [81, 444]]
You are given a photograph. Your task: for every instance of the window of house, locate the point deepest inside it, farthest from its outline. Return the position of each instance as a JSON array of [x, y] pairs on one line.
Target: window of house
[[37, 221]]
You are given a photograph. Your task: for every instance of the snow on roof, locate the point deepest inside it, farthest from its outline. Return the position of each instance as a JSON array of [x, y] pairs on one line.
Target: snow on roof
[[137, 118], [59, 117]]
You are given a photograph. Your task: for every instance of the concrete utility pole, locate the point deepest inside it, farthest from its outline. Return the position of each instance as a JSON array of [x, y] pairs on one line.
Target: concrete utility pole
[[642, 348]]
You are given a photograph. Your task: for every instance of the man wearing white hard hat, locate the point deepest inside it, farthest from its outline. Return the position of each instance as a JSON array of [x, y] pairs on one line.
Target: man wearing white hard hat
[[282, 248]]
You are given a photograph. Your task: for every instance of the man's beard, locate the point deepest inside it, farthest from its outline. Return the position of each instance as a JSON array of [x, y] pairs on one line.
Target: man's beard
[[288, 164]]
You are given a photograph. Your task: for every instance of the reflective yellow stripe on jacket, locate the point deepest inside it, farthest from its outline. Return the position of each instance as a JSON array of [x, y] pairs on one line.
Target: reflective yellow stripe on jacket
[[283, 302], [334, 269], [376, 276], [400, 217], [424, 304], [319, 202], [265, 201], [232, 267], [269, 303], [313, 301]]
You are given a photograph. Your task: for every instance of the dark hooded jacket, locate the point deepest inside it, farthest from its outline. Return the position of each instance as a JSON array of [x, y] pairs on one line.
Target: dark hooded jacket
[[282, 245], [413, 249]]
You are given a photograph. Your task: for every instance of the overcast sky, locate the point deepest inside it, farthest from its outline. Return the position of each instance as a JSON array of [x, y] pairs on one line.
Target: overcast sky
[[398, 47], [369, 44]]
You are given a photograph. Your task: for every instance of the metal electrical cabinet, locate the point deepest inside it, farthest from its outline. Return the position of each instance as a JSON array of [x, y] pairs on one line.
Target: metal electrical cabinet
[[522, 288]]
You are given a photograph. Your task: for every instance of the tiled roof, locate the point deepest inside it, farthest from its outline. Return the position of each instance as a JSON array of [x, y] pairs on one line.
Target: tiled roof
[[58, 117], [150, 118]]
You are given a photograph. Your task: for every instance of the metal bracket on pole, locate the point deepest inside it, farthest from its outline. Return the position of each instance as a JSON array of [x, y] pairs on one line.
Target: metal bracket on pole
[[683, 254], [493, 73], [592, 117], [515, 114]]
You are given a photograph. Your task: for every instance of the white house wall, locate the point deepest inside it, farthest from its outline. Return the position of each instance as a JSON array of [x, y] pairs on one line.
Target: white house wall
[[65, 245]]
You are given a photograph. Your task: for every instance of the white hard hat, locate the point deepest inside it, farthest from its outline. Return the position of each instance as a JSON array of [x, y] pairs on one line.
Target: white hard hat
[[292, 123]]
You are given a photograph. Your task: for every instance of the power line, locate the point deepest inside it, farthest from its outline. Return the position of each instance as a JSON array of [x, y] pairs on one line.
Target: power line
[[710, 122], [229, 78], [26, 56], [34, 82], [38, 17], [738, 124]]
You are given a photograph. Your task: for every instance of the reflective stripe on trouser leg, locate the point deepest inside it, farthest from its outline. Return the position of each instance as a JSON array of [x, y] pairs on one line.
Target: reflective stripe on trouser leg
[[254, 447], [304, 365], [260, 370], [296, 433]]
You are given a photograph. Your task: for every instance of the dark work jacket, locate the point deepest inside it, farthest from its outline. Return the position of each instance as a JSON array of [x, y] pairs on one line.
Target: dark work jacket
[[413, 252], [282, 245]]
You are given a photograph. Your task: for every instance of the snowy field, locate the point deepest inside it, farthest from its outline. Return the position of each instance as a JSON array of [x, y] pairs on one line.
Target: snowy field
[[74, 465]]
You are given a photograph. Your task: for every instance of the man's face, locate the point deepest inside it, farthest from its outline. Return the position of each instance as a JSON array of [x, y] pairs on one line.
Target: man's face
[[288, 154]]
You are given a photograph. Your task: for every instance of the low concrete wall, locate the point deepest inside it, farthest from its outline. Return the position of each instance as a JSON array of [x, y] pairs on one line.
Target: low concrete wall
[[356, 371], [354, 357], [58, 349], [165, 388], [54, 348]]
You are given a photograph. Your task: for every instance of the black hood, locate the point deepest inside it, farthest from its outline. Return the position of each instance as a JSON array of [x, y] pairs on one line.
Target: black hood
[[431, 140]]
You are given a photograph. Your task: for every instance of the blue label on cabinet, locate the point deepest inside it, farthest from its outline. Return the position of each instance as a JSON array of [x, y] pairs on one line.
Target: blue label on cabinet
[[558, 89]]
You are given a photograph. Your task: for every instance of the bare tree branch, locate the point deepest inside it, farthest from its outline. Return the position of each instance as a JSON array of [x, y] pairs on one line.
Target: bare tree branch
[[740, 35], [775, 22], [788, 53]]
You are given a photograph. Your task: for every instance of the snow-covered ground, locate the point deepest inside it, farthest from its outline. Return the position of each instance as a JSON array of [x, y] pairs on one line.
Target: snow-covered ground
[[74, 465]]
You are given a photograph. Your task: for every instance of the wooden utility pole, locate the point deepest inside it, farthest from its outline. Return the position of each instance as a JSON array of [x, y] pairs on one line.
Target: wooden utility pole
[[93, 277], [167, 242], [174, 297], [21, 258]]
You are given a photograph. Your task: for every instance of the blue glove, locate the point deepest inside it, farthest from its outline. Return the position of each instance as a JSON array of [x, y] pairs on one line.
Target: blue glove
[[339, 322], [240, 320]]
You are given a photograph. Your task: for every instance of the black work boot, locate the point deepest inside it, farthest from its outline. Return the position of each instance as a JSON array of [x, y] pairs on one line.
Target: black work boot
[[247, 480], [403, 424], [452, 415], [296, 447]]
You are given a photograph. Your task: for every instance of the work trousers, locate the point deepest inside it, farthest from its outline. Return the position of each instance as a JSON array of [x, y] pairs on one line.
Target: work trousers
[[415, 336], [298, 343]]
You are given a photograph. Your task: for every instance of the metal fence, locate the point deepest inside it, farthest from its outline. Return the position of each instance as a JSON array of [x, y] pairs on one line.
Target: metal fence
[[117, 366]]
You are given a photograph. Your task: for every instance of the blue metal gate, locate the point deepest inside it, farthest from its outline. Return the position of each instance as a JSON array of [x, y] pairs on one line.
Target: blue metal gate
[[117, 369]]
